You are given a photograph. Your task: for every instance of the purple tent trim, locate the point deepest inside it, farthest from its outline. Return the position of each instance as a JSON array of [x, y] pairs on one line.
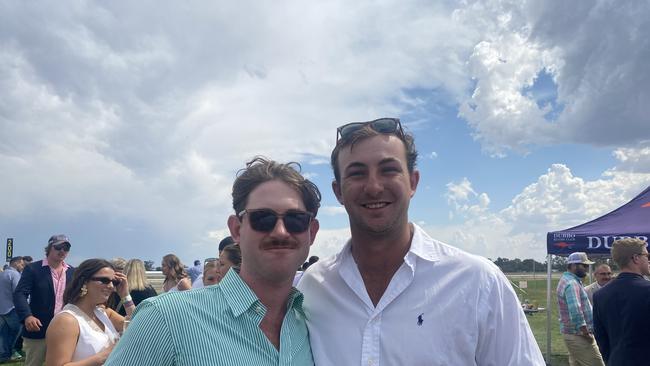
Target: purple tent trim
[[596, 237]]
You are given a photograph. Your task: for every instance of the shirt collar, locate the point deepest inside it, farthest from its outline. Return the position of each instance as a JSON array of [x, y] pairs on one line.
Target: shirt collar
[[422, 245], [46, 263], [240, 297]]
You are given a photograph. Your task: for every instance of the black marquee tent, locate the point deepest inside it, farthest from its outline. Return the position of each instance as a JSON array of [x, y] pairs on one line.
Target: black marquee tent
[[596, 237]]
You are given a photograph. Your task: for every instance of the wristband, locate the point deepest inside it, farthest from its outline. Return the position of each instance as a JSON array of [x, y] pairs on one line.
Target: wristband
[[128, 303], [127, 298]]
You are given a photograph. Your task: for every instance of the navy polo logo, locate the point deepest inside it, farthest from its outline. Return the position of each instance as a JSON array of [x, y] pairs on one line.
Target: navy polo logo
[[420, 320]]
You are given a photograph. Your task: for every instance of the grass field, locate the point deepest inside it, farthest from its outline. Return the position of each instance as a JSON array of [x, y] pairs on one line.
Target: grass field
[[535, 293]]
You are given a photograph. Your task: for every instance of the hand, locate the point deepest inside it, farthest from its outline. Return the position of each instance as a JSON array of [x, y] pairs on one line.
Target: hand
[[102, 355], [32, 324], [123, 288]]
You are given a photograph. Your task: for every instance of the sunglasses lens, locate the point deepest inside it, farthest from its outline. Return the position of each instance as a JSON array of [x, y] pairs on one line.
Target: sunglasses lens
[[263, 220], [296, 222], [347, 130], [384, 125], [65, 247], [116, 282]]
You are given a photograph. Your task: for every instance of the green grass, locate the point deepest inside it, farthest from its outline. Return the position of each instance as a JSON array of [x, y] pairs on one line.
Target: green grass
[[536, 293], [15, 363]]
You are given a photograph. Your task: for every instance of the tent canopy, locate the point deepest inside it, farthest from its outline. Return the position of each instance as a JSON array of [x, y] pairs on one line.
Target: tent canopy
[[596, 236]]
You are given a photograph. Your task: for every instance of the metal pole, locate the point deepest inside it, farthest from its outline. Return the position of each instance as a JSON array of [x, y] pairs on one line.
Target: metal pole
[[549, 257]]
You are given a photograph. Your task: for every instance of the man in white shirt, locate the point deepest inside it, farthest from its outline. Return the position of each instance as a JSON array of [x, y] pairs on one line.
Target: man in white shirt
[[393, 295], [602, 274]]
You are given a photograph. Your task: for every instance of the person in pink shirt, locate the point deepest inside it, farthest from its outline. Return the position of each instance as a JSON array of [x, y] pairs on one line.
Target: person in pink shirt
[[43, 282]]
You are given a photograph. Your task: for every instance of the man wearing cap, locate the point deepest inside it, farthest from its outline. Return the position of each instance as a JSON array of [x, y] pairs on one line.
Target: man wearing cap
[[621, 324], [602, 274], [576, 317], [43, 282]]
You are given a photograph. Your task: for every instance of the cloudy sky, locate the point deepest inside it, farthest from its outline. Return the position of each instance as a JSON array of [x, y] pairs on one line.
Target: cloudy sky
[[123, 123]]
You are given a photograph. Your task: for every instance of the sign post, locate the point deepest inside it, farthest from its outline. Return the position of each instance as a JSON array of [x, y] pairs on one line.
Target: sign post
[[10, 248]]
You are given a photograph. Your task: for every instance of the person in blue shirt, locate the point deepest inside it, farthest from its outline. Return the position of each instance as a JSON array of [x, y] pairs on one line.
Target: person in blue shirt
[[10, 324]]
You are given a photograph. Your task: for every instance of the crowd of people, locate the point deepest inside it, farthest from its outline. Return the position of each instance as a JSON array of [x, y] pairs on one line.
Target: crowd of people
[[392, 296], [605, 323], [80, 314]]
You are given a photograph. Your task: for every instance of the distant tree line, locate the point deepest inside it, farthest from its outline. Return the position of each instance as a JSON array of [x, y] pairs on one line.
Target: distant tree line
[[529, 265]]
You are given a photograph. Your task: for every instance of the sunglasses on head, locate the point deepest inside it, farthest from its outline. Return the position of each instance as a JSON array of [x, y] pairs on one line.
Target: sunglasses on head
[[264, 220], [106, 280], [62, 246], [381, 125]]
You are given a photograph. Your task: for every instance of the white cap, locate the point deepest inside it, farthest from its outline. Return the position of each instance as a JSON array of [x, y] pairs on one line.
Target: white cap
[[578, 257]]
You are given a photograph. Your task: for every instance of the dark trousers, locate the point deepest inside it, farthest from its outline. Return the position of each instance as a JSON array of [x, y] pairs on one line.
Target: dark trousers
[[9, 331]]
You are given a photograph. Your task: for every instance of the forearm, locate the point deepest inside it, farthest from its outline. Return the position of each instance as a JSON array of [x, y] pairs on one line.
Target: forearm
[[94, 360]]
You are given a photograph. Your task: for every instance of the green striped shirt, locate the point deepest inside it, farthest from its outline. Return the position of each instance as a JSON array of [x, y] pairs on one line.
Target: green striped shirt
[[216, 325]]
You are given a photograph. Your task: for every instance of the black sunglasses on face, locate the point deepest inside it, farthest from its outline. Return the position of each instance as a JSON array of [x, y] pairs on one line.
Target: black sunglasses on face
[[381, 125], [106, 280], [64, 246], [264, 220]]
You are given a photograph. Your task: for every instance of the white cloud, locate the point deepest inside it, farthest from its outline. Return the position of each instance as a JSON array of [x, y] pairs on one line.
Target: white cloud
[[332, 210], [146, 110], [599, 72], [556, 201], [329, 242], [133, 117], [633, 159], [460, 197]]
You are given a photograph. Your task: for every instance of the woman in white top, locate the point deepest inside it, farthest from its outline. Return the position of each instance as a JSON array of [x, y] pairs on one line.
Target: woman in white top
[[85, 331], [176, 278]]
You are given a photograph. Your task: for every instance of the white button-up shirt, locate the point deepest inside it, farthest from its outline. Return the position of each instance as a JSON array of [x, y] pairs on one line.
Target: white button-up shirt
[[443, 306]]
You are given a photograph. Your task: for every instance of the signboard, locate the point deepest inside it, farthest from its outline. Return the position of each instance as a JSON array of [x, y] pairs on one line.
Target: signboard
[[10, 248], [523, 284]]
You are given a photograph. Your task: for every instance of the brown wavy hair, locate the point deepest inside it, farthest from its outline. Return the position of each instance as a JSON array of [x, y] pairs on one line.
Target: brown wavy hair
[[177, 272], [81, 275], [261, 170]]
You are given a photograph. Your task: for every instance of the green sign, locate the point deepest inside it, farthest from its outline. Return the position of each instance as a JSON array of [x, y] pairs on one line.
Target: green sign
[[10, 248]]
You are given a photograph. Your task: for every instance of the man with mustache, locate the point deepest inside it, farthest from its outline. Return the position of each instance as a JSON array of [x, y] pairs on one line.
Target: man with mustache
[[576, 315], [251, 318]]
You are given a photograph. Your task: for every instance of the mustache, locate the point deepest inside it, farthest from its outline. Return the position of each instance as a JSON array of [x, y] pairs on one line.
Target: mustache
[[276, 243]]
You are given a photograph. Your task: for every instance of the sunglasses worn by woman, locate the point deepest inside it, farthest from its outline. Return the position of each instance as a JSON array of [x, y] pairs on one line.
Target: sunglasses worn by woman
[[85, 330]]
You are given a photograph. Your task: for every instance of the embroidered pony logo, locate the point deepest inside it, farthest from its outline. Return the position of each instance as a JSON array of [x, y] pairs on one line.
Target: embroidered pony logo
[[420, 319]]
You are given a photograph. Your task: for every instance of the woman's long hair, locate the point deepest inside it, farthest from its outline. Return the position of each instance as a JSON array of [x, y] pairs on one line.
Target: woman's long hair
[[136, 275], [176, 271], [82, 274]]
